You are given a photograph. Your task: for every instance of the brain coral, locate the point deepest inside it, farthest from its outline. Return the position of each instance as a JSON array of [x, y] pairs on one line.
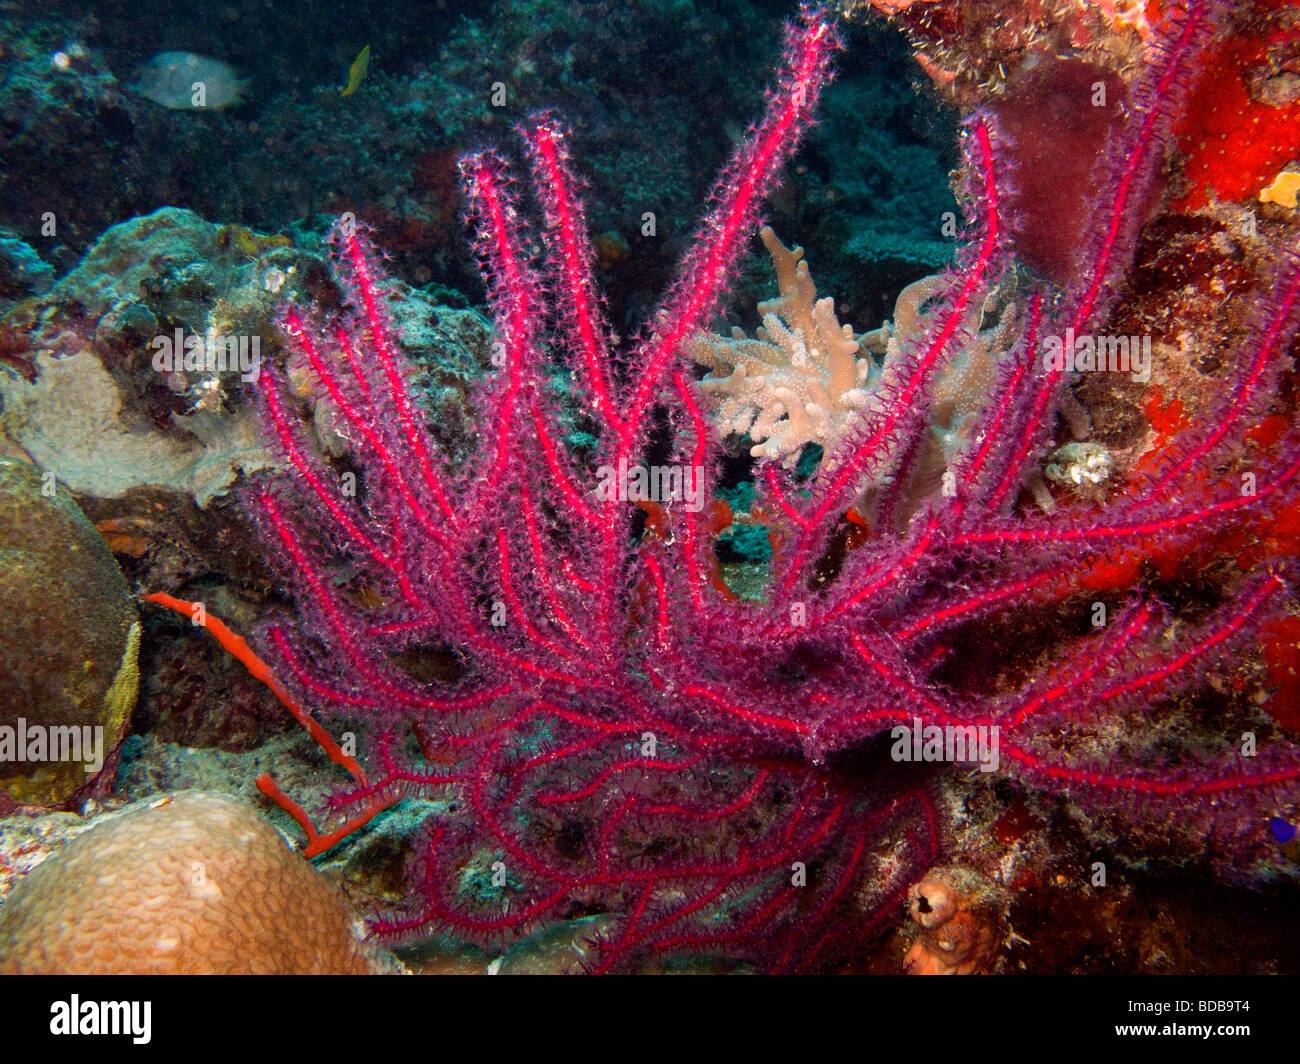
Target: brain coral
[[195, 883]]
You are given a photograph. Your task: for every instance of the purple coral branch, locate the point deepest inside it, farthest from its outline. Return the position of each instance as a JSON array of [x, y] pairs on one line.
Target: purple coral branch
[[625, 739]]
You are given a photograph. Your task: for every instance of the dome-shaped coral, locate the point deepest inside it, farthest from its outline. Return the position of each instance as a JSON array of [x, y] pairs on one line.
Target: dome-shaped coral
[[196, 883], [69, 640]]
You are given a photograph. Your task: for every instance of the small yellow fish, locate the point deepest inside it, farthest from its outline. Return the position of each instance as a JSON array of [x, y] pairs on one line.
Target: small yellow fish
[[357, 72]]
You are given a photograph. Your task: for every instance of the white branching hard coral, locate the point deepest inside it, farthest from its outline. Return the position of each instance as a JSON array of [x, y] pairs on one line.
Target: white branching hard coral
[[806, 379], [800, 381]]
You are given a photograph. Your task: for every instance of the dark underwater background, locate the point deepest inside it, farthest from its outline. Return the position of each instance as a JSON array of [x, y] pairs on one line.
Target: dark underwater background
[[657, 95]]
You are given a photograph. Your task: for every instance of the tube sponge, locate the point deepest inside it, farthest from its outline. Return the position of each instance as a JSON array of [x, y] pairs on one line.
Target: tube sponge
[[194, 883]]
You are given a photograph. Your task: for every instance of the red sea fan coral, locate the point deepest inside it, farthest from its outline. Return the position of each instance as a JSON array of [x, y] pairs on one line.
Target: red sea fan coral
[[608, 734]]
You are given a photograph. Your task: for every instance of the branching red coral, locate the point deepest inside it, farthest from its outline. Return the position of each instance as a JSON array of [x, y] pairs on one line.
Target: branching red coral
[[609, 734]]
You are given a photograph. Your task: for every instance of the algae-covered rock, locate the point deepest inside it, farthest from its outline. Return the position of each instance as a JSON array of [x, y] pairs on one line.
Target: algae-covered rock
[[134, 369], [69, 639]]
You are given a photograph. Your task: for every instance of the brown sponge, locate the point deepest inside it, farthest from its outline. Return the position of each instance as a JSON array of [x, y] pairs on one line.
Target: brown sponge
[[194, 883]]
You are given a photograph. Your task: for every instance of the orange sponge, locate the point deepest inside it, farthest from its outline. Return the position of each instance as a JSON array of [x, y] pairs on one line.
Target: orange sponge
[[195, 883]]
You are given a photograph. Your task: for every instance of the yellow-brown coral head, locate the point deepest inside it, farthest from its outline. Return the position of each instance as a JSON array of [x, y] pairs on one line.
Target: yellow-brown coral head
[[69, 643], [195, 883]]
